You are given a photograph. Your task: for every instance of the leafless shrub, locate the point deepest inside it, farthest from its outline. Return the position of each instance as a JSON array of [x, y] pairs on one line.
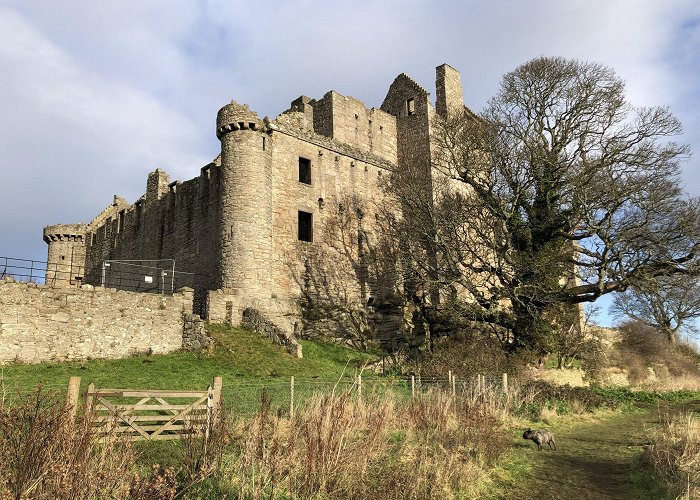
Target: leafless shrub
[[643, 347]]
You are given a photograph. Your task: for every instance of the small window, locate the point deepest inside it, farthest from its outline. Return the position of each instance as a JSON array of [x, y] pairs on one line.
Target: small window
[[304, 170], [93, 239], [120, 222], [306, 226], [139, 212], [411, 107]]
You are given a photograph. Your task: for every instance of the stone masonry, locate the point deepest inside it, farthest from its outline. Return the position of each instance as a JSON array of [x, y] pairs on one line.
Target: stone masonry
[[43, 323], [276, 182]]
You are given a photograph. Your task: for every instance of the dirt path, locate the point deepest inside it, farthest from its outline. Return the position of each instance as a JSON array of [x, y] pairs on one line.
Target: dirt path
[[596, 460]]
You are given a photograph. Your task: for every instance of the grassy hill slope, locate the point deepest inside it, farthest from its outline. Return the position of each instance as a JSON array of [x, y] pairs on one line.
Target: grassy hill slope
[[246, 361]]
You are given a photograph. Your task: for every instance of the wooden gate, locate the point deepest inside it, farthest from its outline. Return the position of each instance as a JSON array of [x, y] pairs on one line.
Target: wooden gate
[[152, 414]]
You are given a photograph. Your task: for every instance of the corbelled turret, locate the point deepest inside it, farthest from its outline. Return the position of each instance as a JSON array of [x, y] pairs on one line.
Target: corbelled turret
[[245, 228], [66, 256]]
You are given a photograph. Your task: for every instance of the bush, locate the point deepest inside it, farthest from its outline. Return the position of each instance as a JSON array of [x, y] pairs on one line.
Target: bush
[[468, 353], [642, 348]]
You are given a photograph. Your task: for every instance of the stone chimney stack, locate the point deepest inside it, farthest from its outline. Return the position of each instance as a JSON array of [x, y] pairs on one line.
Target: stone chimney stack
[[448, 86]]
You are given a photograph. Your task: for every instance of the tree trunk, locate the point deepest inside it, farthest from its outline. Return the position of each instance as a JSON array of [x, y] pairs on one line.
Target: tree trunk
[[670, 336], [526, 332]]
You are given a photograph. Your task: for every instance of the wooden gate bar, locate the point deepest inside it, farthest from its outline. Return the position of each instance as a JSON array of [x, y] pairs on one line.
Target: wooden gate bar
[[137, 420]]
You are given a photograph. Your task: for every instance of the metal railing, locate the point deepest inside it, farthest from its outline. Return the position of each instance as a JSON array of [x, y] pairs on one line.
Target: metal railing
[[41, 272], [154, 276]]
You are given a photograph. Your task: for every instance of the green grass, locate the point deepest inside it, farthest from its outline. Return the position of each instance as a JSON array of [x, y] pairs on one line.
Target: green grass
[[246, 361], [597, 457]]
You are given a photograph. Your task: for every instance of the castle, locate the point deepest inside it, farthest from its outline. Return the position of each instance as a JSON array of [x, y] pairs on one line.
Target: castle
[[270, 190]]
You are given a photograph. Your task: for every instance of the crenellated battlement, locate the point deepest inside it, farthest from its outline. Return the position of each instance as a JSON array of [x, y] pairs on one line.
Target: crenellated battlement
[[234, 117], [65, 232]]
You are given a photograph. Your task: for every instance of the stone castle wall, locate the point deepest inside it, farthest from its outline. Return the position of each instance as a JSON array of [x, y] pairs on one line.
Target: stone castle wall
[[236, 225], [41, 323], [176, 221]]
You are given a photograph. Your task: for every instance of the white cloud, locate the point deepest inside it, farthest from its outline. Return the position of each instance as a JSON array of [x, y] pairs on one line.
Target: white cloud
[[94, 95], [71, 137]]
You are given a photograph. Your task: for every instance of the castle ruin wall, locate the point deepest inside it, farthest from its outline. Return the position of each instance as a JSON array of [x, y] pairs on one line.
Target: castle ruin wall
[[42, 323]]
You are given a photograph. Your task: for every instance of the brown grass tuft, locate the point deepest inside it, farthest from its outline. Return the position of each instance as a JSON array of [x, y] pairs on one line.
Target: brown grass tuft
[[675, 454], [342, 446]]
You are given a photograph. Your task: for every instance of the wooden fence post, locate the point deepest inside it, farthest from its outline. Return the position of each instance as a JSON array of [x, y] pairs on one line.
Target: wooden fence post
[[72, 397], [291, 397], [505, 382], [89, 397], [413, 386], [216, 399]]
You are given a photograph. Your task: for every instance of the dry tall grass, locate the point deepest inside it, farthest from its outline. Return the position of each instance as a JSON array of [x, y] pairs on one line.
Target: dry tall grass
[[675, 454], [342, 446], [45, 453]]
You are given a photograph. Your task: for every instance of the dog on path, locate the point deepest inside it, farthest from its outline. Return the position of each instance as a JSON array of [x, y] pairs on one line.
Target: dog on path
[[540, 438]]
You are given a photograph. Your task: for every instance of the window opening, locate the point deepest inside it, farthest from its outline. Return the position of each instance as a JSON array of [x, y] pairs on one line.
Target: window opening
[[306, 226], [120, 222], [411, 106], [304, 170]]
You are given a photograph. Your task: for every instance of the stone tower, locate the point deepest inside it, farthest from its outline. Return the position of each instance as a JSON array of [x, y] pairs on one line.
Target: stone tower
[[245, 220], [66, 257], [448, 86]]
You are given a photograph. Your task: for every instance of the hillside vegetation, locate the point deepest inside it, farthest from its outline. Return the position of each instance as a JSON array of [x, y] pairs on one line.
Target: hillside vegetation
[[244, 359]]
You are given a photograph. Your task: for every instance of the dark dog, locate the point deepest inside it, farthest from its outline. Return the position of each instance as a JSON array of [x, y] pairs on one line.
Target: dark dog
[[540, 438]]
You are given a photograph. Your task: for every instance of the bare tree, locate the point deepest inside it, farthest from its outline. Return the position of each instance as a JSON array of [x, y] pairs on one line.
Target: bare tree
[[667, 304], [558, 193]]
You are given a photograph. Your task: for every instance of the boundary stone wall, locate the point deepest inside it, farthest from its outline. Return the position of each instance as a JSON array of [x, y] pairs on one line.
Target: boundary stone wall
[[256, 321], [40, 323]]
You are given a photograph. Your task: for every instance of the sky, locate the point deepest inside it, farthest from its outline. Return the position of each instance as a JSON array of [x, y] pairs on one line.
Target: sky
[[94, 95]]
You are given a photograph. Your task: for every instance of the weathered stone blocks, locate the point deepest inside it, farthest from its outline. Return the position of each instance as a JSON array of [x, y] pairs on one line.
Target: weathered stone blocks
[[80, 323]]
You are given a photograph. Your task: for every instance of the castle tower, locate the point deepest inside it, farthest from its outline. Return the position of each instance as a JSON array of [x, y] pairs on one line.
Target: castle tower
[[66, 257], [245, 224], [448, 87]]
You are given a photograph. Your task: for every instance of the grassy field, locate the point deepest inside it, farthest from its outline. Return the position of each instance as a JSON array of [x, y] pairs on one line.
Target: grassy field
[[601, 432], [247, 362]]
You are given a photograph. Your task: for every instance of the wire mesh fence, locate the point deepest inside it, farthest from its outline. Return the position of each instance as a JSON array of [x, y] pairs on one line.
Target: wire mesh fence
[[151, 276], [242, 396], [154, 276], [41, 272]]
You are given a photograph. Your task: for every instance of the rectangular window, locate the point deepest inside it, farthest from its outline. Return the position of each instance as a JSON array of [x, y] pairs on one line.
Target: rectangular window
[[410, 107], [304, 170], [120, 222], [139, 214], [306, 226]]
